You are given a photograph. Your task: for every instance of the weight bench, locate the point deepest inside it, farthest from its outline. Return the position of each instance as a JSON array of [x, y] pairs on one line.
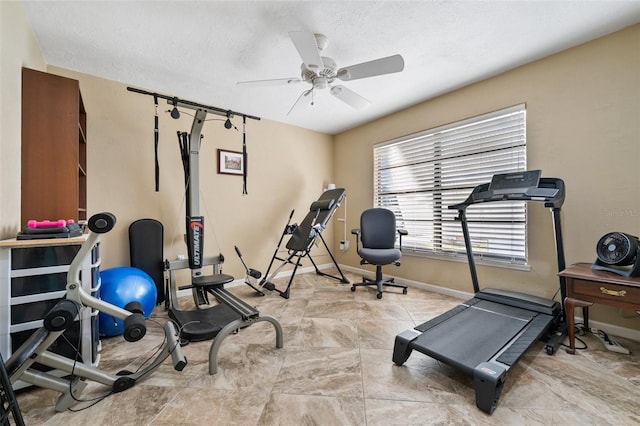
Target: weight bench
[[208, 321], [216, 321], [302, 239]]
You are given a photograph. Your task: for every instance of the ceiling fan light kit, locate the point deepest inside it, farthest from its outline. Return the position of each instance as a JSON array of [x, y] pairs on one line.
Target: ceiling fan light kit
[[321, 71]]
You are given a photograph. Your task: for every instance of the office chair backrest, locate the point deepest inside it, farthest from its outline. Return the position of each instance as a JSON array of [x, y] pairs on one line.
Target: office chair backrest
[[378, 228]]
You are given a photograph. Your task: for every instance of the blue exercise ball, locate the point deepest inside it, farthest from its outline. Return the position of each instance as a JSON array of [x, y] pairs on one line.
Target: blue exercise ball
[[120, 286]]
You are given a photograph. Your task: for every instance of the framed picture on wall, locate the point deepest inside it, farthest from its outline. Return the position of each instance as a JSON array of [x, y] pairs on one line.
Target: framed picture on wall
[[230, 162]]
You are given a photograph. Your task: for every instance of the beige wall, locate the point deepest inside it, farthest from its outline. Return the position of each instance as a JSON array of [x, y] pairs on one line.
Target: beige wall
[[583, 110], [18, 48], [583, 115], [288, 167]]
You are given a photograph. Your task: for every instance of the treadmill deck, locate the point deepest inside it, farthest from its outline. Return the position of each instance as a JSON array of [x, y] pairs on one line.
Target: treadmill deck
[[477, 332]]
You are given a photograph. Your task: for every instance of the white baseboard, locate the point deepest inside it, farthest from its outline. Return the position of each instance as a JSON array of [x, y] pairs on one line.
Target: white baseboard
[[240, 281], [414, 284], [613, 330]]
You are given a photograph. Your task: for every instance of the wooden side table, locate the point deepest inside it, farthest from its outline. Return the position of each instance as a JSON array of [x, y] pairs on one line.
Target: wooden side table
[[586, 287]]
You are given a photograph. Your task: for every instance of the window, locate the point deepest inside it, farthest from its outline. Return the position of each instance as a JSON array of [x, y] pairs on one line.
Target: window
[[420, 175]]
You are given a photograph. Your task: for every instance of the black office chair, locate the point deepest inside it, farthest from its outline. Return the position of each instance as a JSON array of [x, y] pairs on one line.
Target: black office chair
[[378, 236]]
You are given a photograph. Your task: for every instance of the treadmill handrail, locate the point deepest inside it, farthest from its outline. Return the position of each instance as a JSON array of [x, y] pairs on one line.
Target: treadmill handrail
[[482, 194], [550, 191]]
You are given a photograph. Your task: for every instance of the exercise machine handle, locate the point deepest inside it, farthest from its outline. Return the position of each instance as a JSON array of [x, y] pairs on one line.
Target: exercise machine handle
[[98, 224], [173, 345]]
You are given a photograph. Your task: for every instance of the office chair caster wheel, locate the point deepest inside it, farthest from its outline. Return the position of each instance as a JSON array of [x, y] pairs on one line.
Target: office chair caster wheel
[[353, 288], [404, 291], [379, 295]]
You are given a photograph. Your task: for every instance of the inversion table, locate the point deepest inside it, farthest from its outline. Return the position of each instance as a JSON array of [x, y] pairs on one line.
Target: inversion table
[[303, 237]]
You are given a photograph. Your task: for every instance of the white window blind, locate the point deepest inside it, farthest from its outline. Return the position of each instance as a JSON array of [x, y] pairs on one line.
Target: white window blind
[[420, 175]]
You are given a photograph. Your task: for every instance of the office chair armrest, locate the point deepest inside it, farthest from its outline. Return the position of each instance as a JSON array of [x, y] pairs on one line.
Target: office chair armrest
[[402, 232], [356, 232]]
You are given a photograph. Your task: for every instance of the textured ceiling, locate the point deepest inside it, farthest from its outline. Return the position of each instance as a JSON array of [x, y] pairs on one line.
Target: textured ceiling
[[199, 50]]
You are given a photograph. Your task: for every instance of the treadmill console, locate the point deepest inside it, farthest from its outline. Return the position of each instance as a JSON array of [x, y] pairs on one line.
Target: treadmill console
[[510, 183], [521, 186]]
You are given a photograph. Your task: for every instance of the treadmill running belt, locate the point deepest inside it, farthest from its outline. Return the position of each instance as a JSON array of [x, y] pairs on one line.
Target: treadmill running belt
[[469, 338]]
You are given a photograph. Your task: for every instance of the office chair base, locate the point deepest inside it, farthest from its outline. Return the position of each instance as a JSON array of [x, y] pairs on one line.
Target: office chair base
[[380, 284]]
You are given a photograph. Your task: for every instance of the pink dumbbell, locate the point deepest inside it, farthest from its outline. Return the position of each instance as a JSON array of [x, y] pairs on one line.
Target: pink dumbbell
[[46, 224]]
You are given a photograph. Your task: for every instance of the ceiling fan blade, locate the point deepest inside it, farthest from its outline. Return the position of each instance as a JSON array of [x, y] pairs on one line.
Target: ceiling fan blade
[[273, 82], [307, 47], [301, 99], [349, 97], [381, 66]]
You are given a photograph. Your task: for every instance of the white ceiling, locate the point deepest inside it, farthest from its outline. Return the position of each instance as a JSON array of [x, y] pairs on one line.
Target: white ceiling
[[199, 50]]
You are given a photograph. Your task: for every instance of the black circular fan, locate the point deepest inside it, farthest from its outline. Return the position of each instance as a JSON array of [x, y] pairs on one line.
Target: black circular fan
[[617, 248]]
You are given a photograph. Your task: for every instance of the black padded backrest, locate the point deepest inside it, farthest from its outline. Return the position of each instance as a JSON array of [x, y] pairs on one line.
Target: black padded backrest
[[320, 212], [146, 251], [378, 228]]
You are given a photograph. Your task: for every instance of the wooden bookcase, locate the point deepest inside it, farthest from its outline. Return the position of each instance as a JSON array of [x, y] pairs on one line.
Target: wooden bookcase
[[54, 148]]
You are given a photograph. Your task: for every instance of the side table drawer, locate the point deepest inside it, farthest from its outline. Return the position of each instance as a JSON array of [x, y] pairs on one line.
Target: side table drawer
[[625, 296]]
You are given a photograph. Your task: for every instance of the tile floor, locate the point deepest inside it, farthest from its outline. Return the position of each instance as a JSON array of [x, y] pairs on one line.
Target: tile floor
[[336, 369]]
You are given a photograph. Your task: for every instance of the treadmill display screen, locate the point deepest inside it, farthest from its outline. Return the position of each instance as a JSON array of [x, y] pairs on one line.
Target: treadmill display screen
[[528, 179]]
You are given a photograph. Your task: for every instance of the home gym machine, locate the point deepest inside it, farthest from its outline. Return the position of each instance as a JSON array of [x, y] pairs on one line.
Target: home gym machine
[[303, 237], [231, 313], [25, 363], [486, 335]]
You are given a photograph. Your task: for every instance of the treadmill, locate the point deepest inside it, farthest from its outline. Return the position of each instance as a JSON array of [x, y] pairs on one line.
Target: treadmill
[[486, 335]]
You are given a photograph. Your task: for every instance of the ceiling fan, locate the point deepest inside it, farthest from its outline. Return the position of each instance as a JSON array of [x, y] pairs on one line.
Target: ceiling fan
[[321, 72]]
